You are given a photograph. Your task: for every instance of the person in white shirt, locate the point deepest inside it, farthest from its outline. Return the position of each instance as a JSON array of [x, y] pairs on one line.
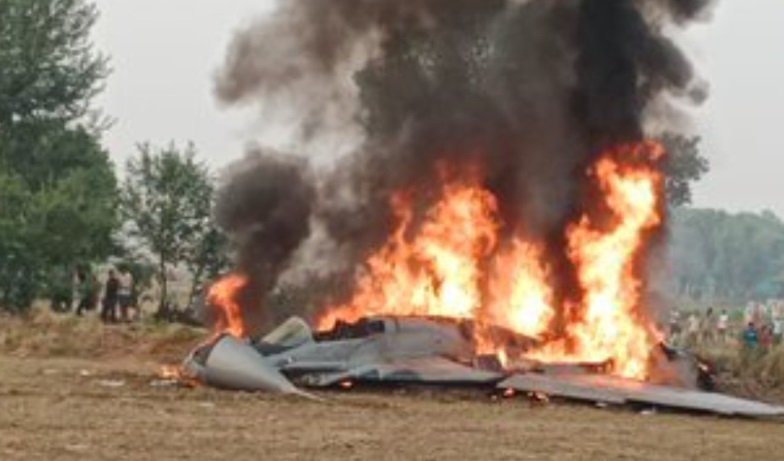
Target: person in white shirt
[[778, 329], [693, 330], [125, 293], [675, 326]]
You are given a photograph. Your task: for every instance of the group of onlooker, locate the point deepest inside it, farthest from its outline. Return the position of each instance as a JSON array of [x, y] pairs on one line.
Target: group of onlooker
[[116, 295], [764, 324], [761, 325]]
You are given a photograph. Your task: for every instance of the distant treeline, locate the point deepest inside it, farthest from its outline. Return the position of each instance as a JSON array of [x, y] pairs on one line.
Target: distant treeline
[[719, 256]]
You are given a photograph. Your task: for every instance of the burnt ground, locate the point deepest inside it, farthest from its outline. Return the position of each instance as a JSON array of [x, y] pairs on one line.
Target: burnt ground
[[111, 406]]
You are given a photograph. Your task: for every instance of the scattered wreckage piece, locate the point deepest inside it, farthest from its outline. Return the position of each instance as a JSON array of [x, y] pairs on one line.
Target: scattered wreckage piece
[[232, 364], [619, 391], [384, 350], [388, 344], [426, 351]]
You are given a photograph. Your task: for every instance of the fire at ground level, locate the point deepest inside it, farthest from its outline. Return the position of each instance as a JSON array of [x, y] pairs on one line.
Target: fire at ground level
[[456, 261], [417, 351], [107, 409]]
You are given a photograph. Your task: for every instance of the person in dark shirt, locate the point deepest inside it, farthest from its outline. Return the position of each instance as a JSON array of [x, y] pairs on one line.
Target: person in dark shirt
[[86, 291], [109, 309], [751, 336]]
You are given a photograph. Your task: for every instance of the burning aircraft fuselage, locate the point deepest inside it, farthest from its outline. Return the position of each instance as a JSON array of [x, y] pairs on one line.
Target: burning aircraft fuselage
[[396, 351], [503, 174]]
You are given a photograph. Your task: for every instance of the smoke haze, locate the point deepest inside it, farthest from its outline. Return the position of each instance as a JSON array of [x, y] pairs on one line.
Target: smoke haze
[[525, 93]]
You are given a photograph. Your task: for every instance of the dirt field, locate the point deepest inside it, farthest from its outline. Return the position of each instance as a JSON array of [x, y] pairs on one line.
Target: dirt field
[[110, 406]]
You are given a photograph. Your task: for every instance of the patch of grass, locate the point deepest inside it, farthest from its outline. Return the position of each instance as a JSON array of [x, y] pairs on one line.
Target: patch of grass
[[751, 373], [45, 333], [768, 367]]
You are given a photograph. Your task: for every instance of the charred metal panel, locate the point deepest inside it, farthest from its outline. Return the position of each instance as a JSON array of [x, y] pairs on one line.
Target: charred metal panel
[[400, 339], [430, 370], [609, 389], [233, 364], [560, 386]]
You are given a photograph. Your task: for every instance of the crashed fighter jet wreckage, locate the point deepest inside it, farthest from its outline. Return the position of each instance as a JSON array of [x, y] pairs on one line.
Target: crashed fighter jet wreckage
[[428, 351], [497, 215]]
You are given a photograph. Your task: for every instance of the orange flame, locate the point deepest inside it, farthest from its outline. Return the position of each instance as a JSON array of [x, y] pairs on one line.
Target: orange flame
[[435, 272], [610, 327], [177, 374], [169, 372], [223, 297], [451, 263], [520, 297]]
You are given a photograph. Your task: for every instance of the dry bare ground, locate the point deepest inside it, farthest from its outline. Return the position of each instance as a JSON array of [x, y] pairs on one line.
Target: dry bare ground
[[94, 397]]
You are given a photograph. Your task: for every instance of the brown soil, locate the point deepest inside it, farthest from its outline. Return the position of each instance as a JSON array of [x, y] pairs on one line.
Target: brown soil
[[111, 406]]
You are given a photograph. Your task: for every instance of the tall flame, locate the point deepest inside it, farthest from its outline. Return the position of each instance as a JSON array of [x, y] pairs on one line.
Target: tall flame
[[454, 265], [435, 272], [610, 326], [520, 297], [451, 261], [223, 297], [606, 262]]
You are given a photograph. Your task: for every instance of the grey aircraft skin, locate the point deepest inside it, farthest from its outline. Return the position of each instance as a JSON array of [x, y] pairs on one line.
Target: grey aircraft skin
[[393, 350], [427, 351]]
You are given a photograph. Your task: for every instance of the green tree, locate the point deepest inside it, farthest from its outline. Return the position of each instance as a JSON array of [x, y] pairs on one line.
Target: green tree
[[167, 200], [48, 68], [57, 185], [685, 165], [722, 256]]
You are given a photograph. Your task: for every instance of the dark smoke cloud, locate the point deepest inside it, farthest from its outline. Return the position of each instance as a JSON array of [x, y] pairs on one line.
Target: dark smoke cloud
[[265, 207], [687, 10], [528, 91]]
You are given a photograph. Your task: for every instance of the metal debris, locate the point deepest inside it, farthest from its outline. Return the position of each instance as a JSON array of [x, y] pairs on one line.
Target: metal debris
[[613, 390], [408, 351]]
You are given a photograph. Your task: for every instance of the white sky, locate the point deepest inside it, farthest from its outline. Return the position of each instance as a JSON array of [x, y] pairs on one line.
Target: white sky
[[164, 53]]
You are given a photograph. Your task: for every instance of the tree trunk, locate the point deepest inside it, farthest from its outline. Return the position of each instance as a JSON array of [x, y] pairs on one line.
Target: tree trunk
[[163, 305]]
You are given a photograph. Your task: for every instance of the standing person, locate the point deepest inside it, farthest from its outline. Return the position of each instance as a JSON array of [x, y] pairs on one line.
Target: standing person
[[766, 337], [750, 336], [778, 330], [749, 352], [84, 292], [125, 293], [693, 332], [675, 326], [723, 324], [111, 290]]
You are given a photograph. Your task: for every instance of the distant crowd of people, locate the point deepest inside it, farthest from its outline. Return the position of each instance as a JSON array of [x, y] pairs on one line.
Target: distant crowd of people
[[764, 324], [116, 295], [760, 325]]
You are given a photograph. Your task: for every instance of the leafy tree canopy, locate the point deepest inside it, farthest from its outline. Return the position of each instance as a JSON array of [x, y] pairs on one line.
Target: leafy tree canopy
[[167, 199], [685, 165], [57, 185], [721, 256], [49, 70]]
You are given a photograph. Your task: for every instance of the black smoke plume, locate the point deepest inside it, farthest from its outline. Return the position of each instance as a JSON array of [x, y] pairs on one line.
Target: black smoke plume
[[265, 207], [530, 92]]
